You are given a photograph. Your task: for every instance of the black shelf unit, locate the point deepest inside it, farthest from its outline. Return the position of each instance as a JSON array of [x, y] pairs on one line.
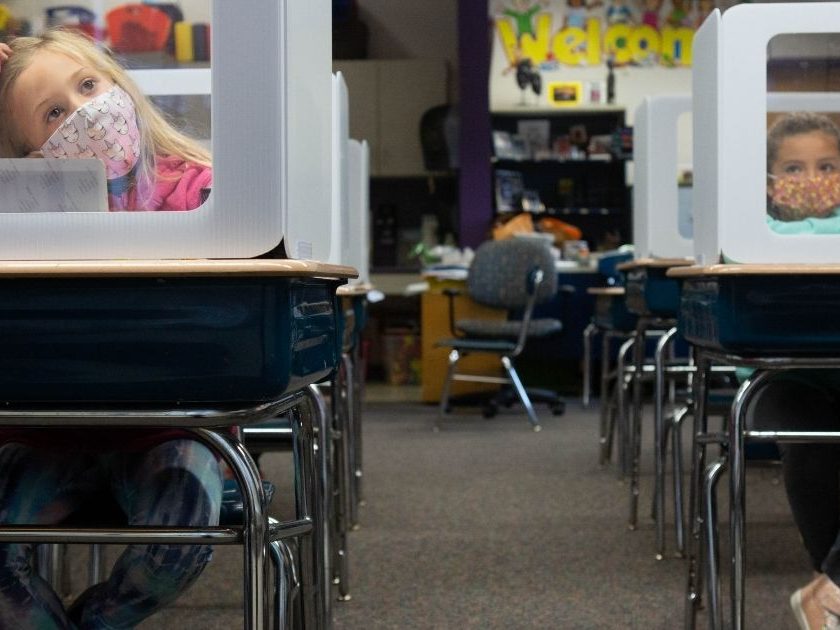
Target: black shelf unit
[[589, 193]]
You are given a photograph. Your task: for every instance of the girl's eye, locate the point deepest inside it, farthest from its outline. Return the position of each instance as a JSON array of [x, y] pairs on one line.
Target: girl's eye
[[792, 169], [828, 167], [88, 85], [53, 114]]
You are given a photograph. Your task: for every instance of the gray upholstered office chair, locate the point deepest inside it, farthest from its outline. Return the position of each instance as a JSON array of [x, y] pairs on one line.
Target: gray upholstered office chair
[[516, 275]]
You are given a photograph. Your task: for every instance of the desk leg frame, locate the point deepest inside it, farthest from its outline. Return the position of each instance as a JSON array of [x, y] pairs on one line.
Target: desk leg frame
[[588, 333]]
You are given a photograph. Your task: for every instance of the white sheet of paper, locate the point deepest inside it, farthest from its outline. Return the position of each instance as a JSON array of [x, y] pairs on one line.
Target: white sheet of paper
[[43, 185]]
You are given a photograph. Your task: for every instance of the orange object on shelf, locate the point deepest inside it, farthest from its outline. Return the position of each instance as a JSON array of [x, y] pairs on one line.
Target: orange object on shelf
[[561, 230], [138, 28]]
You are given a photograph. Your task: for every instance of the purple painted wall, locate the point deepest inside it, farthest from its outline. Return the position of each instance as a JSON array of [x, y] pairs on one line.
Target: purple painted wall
[[475, 183]]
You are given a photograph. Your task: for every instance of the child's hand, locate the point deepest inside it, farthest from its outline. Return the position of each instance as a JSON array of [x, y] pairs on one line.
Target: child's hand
[[5, 51]]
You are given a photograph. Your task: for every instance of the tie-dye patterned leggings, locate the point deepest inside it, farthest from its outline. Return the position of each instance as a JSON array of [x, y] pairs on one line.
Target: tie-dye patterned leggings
[[174, 483]]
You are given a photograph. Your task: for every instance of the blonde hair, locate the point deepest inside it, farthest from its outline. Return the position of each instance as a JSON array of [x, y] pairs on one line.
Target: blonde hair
[[157, 136]]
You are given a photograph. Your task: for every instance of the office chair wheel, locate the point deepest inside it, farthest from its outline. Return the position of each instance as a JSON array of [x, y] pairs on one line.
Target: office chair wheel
[[489, 410], [558, 408]]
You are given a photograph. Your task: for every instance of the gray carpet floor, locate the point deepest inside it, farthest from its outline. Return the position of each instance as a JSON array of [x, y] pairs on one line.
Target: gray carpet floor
[[487, 524]]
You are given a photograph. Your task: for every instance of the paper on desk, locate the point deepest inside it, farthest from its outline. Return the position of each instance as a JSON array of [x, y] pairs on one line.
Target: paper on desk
[[44, 185]]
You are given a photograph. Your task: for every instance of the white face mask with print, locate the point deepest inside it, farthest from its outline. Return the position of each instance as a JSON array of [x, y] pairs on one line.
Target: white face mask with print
[[104, 128]]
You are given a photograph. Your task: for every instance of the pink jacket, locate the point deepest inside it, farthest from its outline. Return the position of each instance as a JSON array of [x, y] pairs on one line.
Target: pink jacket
[[178, 186]]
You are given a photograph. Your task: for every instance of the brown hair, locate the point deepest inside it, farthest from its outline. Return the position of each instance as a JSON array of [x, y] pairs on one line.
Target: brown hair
[[157, 136], [795, 123]]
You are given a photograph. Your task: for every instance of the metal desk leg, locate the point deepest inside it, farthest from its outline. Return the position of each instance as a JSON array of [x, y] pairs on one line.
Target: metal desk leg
[[315, 413], [358, 395], [737, 494], [635, 432], [342, 411], [590, 331], [605, 438], [698, 456], [255, 530], [710, 479], [676, 454], [621, 406], [660, 444]]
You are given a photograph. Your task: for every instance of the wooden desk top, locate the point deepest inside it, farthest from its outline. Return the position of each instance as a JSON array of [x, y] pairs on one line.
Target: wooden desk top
[[110, 268], [656, 263], [610, 291], [353, 290], [695, 271]]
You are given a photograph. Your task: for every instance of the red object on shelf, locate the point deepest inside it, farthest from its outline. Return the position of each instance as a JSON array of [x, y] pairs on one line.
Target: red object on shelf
[[138, 28]]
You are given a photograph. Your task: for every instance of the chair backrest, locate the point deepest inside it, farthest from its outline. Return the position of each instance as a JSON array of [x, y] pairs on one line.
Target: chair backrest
[[499, 274]]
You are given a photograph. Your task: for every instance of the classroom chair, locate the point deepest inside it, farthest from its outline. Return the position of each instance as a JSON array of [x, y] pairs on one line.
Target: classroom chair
[[514, 274]]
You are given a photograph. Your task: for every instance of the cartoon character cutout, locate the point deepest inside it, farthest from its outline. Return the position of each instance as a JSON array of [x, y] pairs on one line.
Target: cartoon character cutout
[[619, 13], [678, 17], [522, 12], [577, 11], [650, 14]]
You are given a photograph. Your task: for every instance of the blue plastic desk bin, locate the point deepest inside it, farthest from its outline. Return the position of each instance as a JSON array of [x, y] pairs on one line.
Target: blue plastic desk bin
[[166, 339], [608, 265], [611, 313], [763, 315], [650, 292]]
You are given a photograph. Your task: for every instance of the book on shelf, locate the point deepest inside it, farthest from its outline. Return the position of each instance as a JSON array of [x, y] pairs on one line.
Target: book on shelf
[[509, 190]]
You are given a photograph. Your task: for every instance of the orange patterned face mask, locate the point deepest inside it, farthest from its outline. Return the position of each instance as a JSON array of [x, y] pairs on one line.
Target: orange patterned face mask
[[797, 198]]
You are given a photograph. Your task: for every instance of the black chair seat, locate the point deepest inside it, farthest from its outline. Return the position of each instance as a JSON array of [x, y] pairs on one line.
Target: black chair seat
[[508, 329]]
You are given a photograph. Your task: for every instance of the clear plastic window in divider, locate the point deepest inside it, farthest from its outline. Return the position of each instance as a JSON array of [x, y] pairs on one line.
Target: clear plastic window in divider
[[767, 134], [119, 148], [663, 175]]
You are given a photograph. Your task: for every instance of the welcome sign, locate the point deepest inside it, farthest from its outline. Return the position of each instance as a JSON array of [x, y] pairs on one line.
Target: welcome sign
[[549, 35]]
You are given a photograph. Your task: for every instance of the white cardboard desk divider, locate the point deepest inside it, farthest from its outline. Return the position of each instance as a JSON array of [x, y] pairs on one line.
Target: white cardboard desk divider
[[730, 132], [340, 200], [656, 232], [358, 224], [271, 113]]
